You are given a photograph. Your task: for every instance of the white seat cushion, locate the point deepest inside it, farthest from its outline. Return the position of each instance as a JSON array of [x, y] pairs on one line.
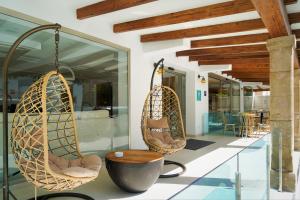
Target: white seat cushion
[[87, 166]]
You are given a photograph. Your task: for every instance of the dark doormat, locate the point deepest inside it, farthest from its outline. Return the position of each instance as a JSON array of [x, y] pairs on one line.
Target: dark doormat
[[192, 144]]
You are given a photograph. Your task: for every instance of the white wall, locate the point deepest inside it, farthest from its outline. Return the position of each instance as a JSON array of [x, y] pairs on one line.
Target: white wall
[[142, 58]]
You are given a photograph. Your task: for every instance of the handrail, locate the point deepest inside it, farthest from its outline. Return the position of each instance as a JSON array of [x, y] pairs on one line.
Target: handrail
[[219, 165]]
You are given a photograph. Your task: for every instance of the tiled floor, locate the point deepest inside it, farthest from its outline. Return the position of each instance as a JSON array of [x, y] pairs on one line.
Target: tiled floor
[[198, 163]]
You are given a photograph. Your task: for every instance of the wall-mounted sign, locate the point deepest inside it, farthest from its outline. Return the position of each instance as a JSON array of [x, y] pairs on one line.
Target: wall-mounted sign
[[198, 95]]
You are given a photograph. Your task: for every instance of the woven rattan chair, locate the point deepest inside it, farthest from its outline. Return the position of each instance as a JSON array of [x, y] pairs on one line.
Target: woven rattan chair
[[44, 139], [162, 125]]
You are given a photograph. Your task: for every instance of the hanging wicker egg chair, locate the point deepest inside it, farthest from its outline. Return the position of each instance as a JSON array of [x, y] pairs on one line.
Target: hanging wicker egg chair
[[162, 125], [44, 139]]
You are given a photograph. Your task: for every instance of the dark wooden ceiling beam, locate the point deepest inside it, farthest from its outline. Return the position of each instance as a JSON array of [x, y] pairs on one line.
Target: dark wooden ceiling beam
[[206, 12], [253, 65], [261, 90], [224, 50], [231, 27], [274, 15], [263, 80], [200, 13], [249, 71], [244, 39], [234, 61], [294, 17], [235, 40], [108, 6], [288, 2], [250, 68], [229, 56], [247, 74]]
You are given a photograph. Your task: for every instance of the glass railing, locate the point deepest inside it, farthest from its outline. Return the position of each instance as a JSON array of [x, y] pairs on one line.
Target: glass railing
[[243, 176]]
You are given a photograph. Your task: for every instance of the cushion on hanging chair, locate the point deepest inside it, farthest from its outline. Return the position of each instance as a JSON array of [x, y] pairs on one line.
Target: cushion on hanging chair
[[165, 140], [160, 123], [87, 166]]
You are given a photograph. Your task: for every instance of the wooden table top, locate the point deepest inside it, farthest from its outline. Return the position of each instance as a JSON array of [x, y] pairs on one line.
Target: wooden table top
[[135, 156]]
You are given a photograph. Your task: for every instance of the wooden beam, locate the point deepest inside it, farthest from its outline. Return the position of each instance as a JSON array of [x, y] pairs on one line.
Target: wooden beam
[[224, 50], [273, 14], [264, 80], [288, 2], [232, 27], [200, 13], [255, 70], [296, 33], [261, 90], [107, 6], [253, 65], [250, 68], [294, 17], [276, 20], [234, 61], [230, 56], [248, 75], [244, 39]]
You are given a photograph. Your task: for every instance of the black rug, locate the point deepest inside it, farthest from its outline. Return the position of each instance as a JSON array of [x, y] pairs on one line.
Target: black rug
[[192, 144]]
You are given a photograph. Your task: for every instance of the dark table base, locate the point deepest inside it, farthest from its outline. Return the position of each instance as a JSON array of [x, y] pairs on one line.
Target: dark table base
[[134, 177]]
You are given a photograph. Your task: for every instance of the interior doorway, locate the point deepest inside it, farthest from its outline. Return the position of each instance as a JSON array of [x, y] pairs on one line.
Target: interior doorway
[[177, 81]]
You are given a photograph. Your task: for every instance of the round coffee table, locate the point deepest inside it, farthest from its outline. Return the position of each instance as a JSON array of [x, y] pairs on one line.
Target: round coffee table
[[136, 171]]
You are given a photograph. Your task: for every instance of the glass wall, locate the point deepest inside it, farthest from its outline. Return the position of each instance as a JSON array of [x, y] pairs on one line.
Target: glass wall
[[235, 97], [248, 99], [224, 102], [224, 95], [97, 75]]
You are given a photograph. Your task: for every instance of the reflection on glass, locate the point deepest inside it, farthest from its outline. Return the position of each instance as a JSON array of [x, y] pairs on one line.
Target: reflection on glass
[[224, 104], [235, 97], [248, 99], [97, 75]]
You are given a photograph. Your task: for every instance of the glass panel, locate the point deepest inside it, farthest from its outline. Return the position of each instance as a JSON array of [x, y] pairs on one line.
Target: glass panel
[[248, 99], [218, 184], [253, 169], [214, 94], [235, 97], [97, 75], [225, 96], [261, 100]]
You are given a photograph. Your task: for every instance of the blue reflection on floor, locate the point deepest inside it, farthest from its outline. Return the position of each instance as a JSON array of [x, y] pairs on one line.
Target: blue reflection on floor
[[222, 182], [221, 193]]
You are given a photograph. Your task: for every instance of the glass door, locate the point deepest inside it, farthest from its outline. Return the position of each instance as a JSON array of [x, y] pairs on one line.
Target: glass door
[[176, 81]]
